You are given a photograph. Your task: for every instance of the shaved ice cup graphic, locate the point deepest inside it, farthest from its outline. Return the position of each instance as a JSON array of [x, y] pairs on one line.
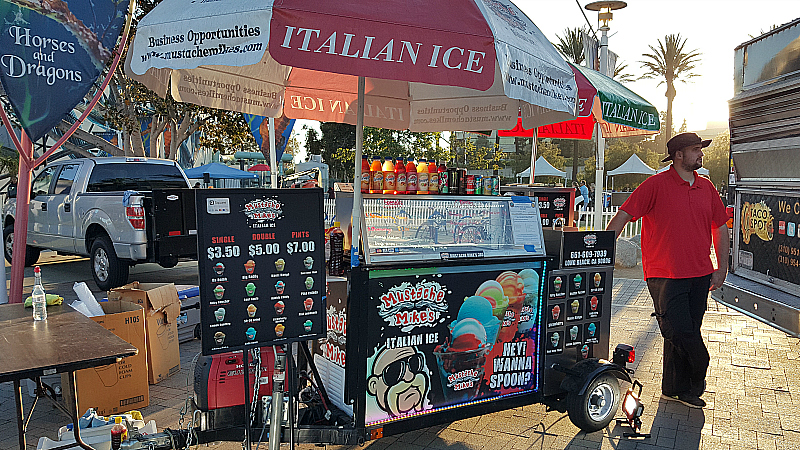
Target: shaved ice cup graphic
[[469, 363], [511, 318]]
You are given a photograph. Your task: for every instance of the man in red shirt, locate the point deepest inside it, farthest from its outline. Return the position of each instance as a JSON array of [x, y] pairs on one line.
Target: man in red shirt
[[681, 215]]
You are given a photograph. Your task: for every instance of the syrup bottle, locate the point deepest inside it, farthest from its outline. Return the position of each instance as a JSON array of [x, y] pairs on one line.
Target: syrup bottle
[[400, 176], [411, 177], [422, 177]]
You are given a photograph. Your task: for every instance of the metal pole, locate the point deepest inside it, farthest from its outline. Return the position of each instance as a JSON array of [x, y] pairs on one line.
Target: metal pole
[[601, 144], [21, 221], [273, 165], [533, 155], [356, 214], [276, 409]]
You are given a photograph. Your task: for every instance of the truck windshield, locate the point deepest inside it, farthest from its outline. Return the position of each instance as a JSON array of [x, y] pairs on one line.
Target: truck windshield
[[135, 177]]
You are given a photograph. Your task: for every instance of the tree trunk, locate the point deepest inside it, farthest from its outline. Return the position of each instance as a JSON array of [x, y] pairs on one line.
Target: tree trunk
[[157, 126], [670, 97], [187, 128]]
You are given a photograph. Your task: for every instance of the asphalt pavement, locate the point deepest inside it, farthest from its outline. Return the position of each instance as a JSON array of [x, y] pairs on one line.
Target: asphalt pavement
[[753, 392]]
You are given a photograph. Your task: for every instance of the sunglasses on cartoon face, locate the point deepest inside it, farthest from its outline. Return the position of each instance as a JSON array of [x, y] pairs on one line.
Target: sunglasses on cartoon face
[[393, 373]]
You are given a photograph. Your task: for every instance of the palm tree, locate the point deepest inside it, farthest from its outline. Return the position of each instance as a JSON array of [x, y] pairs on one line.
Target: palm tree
[[571, 45], [671, 62]]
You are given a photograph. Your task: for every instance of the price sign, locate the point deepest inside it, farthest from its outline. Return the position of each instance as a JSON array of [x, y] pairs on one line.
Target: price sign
[[263, 279]]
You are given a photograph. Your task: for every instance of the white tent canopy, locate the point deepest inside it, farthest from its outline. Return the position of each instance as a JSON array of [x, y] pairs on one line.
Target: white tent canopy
[[543, 169], [633, 165], [700, 171]]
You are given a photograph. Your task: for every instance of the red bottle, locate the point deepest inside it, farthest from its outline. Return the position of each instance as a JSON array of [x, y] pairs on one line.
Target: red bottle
[[400, 178], [411, 177], [365, 178]]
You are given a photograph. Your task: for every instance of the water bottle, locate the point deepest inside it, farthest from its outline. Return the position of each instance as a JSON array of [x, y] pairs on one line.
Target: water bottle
[[39, 299]]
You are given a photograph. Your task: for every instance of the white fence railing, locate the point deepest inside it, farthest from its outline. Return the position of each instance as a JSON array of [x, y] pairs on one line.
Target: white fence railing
[[587, 221]]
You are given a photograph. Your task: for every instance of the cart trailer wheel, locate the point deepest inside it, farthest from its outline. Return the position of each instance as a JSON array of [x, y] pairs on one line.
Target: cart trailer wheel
[[108, 271], [595, 408]]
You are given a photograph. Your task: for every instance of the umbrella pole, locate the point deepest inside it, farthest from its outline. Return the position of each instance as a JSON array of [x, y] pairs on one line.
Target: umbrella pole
[[598, 178], [356, 214], [273, 174], [533, 155]]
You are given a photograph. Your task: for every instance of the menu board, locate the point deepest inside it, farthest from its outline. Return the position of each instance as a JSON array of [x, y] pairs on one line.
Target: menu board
[[262, 267]]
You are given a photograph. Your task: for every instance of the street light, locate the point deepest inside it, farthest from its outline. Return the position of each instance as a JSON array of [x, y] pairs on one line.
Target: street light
[[604, 15]]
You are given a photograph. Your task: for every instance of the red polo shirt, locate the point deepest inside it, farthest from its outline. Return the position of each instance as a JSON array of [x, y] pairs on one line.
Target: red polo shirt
[[677, 222]]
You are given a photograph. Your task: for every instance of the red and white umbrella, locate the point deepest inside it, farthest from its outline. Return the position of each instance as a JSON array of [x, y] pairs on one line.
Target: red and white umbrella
[[429, 66], [425, 66]]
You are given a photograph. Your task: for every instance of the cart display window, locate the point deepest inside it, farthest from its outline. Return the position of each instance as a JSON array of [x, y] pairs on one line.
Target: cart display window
[[445, 337], [408, 228]]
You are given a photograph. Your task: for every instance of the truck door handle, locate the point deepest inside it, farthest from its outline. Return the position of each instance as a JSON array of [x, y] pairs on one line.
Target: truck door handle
[[44, 206], [67, 207]]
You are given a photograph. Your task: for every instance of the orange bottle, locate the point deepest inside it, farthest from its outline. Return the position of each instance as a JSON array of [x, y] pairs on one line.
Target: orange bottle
[[376, 176], [365, 178], [433, 178], [411, 177], [422, 177], [400, 176], [388, 176]]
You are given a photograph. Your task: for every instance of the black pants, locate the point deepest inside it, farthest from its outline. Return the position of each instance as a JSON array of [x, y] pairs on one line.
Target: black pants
[[680, 305]]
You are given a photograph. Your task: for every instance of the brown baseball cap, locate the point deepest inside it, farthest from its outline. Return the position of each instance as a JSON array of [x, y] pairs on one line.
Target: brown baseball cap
[[682, 140]]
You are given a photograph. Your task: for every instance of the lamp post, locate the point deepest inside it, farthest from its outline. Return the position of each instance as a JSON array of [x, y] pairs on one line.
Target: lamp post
[[604, 14]]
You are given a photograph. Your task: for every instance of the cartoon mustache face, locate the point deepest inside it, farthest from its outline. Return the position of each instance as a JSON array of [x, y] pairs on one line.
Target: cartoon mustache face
[[407, 396]]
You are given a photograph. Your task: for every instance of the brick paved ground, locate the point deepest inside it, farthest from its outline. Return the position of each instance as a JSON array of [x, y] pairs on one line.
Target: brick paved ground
[[753, 396]]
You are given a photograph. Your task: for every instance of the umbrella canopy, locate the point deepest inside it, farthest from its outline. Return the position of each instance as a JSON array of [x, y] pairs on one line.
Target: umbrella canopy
[[218, 171], [700, 171], [543, 169], [634, 164], [619, 111], [473, 71], [259, 168]]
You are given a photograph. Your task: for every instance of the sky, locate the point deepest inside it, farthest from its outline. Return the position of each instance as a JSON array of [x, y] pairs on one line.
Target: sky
[[712, 27]]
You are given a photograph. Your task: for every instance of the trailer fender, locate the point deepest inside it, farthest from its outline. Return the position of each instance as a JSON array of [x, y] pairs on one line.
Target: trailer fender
[[581, 375]]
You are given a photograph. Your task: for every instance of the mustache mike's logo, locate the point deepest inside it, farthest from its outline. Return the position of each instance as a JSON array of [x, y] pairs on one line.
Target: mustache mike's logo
[[756, 219]]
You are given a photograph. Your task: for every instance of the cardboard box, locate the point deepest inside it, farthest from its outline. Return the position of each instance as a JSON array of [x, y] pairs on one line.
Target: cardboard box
[[122, 386], [161, 309]]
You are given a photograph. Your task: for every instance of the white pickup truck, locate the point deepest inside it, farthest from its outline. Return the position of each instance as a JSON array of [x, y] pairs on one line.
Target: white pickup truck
[[118, 211]]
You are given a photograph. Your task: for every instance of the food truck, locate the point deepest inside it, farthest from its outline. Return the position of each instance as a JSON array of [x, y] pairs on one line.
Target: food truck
[[764, 182], [461, 306]]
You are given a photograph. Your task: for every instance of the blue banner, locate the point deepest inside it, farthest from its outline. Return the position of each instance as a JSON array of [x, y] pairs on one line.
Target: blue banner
[[52, 52], [259, 126]]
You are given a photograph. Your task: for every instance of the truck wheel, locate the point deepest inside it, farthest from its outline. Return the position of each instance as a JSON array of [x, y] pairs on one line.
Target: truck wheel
[[168, 262], [108, 270], [31, 253], [595, 409]]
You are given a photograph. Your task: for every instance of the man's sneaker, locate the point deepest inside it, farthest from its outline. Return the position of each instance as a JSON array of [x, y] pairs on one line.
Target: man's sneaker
[[688, 399]]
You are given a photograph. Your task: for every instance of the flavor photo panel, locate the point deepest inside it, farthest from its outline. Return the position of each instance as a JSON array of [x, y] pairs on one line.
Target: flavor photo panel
[[577, 284], [574, 310], [594, 306], [556, 287], [555, 315], [585, 351], [592, 333], [554, 342], [574, 335], [597, 282]]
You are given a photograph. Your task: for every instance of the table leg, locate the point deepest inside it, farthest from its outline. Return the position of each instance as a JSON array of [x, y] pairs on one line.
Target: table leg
[[20, 414], [74, 412]]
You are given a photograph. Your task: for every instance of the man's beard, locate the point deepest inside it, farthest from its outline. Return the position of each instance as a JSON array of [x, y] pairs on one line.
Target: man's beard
[[392, 399], [687, 166]]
